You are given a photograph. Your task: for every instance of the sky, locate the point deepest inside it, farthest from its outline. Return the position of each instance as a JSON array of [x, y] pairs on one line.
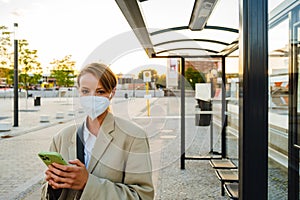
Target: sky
[[57, 28]]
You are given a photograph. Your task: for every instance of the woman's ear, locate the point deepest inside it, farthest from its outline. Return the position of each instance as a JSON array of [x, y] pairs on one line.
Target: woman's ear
[[112, 94]]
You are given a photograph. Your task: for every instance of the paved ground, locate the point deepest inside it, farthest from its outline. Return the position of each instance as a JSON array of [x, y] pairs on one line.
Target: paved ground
[[22, 171]]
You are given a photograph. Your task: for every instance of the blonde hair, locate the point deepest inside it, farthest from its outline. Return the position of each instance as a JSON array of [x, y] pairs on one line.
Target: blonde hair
[[103, 73]]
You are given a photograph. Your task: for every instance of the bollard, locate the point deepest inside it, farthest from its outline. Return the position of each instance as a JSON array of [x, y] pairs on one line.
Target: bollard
[[71, 113], [59, 115], [5, 126], [44, 118]]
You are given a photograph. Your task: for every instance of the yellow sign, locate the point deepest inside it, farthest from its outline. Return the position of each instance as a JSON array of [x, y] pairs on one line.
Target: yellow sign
[[147, 76]]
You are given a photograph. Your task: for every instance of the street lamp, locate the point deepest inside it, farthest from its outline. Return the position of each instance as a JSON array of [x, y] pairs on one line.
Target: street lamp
[[16, 81]]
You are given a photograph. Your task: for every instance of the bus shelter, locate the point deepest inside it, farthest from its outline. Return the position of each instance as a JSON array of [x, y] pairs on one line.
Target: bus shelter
[[217, 30]]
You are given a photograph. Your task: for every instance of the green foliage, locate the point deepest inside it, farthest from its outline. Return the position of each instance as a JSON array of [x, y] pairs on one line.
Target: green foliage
[[193, 76], [6, 56], [63, 71], [8, 74], [31, 70], [5, 46], [32, 79], [161, 81]]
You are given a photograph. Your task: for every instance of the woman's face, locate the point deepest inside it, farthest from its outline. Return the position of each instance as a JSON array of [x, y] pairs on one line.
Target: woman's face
[[90, 86]]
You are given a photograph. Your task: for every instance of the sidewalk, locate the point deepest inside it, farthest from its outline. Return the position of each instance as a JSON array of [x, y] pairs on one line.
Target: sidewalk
[[20, 166], [22, 171]]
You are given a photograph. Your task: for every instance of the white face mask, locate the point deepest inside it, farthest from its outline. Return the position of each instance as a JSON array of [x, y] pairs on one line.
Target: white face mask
[[94, 105]]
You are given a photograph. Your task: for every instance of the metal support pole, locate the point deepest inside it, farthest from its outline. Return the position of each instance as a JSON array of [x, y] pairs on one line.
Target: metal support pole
[[148, 103], [293, 128], [16, 81], [211, 119], [224, 110], [253, 94], [133, 87], [182, 89]]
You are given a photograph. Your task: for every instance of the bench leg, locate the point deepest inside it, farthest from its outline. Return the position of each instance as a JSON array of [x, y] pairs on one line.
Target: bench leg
[[222, 188]]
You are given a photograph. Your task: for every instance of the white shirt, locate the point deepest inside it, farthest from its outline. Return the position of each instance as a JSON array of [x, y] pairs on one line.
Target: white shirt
[[89, 141]]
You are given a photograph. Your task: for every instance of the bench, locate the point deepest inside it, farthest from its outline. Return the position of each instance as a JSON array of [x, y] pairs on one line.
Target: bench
[[223, 167], [59, 115], [227, 175], [232, 189], [44, 118], [222, 164], [80, 111], [5, 126], [71, 113]]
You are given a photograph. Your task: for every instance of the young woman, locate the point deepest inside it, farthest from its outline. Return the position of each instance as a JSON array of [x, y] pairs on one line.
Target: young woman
[[108, 156]]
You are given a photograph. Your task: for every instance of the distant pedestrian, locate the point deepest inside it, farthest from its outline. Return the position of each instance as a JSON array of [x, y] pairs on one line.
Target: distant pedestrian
[[108, 156]]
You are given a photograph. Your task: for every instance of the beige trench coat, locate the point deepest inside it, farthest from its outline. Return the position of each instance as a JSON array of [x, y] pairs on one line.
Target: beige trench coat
[[120, 165]]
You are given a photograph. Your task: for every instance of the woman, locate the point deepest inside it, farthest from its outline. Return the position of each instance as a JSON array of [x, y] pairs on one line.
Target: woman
[[108, 156]]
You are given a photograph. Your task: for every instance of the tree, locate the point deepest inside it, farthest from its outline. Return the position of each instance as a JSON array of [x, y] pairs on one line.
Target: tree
[[161, 81], [193, 76], [31, 70], [6, 67], [5, 46], [63, 71]]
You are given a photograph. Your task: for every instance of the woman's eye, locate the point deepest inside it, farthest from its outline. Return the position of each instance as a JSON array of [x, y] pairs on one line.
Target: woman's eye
[[84, 91], [100, 92]]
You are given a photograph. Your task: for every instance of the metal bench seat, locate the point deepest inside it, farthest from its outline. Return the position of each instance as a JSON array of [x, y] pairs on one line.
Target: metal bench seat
[[222, 164], [232, 189], [227, 175]]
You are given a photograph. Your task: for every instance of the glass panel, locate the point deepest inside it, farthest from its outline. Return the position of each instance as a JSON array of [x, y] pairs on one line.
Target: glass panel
[[171, 13], [207, 34], [203, 81], [167, 13], [298, 49], [273, 4], [226, 13], [232, 95], [298, 80], [297, 67], [227, 37], [278, 110], [191, 44], [296, 44]]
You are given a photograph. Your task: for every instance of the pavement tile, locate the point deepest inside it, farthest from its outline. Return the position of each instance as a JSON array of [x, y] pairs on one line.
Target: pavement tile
[[22, 172]]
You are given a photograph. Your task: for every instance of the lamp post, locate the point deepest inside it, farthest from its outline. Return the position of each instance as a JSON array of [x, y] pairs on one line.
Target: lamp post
[[16, 81]]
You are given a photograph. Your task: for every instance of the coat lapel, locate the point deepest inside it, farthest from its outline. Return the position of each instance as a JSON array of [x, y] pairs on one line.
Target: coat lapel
[[103, 140], [80, 143], [72, 147]]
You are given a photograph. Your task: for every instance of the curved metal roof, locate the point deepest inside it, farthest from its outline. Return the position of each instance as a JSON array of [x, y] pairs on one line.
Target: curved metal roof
[[190, 28]]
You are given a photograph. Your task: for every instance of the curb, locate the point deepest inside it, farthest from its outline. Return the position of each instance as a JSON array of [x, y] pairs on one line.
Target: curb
[[13, 133]]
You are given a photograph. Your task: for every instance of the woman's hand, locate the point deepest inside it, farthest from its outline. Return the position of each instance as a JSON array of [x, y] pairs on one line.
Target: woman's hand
[[72, 176]]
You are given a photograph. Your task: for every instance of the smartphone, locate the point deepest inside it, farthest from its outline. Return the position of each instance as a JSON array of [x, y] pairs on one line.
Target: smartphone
[[52, 157]]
